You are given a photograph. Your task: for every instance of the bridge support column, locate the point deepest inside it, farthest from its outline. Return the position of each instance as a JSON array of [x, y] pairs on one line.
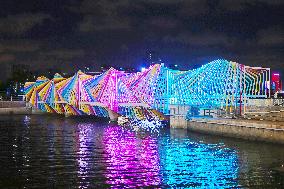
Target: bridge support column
[[113, 116], [178, 116], [178, 122], [67, 114]]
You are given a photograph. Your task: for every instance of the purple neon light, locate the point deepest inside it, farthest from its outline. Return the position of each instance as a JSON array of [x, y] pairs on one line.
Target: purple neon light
[[136, 161]]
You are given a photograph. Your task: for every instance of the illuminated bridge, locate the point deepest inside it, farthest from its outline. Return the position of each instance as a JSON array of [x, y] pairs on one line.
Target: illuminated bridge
[[152, 92]]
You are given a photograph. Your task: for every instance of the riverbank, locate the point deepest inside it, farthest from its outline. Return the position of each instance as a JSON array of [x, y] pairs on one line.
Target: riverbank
[[14, 107], [256, 130]]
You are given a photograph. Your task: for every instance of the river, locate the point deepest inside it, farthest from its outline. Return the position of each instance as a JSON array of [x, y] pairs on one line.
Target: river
[[56, 152]]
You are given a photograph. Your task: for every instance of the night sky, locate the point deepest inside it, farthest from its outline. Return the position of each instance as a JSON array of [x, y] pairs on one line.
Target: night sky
[[71, 34]]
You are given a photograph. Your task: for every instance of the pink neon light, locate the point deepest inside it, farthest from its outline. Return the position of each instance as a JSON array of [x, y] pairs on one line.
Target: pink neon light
[[128, 154]]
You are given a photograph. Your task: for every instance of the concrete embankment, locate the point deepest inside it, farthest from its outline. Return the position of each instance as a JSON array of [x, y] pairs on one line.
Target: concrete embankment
[[14, 107], [256, 130]]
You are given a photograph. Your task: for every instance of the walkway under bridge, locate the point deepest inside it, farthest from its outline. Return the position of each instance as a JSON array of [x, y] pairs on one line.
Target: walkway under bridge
[[150, 93]]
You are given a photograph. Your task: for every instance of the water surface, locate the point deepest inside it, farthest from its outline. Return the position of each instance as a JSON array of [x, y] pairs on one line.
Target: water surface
[[58, 152]]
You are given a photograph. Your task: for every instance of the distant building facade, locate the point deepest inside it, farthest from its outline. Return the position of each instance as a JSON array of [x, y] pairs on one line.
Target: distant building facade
[[276, 83]]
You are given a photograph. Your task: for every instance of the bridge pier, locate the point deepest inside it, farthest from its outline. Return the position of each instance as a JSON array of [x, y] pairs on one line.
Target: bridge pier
[[178, 116], [178, 122], [113, 116], [67, 114]]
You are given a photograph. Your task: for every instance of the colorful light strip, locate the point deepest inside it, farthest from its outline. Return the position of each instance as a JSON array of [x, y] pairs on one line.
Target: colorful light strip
[[212, 85]]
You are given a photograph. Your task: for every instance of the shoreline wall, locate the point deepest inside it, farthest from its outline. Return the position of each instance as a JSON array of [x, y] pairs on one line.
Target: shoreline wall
[[12, 104], [237, 128], [14, 107], [244, 131]]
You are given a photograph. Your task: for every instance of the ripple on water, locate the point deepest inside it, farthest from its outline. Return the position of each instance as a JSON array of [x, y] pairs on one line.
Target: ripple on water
[[58, 152]]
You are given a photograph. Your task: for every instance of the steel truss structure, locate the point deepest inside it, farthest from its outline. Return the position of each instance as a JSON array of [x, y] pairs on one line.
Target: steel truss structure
[[150, 92]]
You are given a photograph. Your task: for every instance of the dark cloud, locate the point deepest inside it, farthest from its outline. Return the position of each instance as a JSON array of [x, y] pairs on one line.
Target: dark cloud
[[102, 15], [127, 15], [21, 23], [65, 54], [4, 58], [103, 7], [199, 39], [271, 37], [61, 59], [262, 57], [194, 8], [91, 23], [170, 2], [69, 34], [163, 22], [240, 5], [19, 45]]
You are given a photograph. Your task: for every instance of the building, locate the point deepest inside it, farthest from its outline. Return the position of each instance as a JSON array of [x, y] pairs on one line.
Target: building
[[276, 84]]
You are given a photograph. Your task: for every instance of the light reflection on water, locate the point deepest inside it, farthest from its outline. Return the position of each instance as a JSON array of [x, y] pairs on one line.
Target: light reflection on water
[[131, 161], [190, 163], [84, 153], [57, 152]]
